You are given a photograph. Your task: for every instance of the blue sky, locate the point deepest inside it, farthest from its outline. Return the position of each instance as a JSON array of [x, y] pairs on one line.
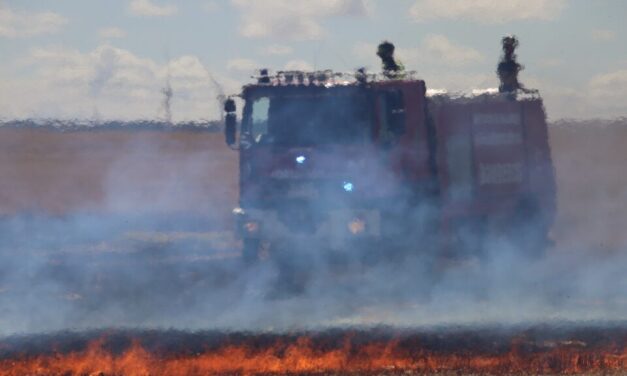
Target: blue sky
[[111, 58]]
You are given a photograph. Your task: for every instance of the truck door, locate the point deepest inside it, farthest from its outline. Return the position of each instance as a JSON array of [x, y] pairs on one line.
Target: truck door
[[401, 128]]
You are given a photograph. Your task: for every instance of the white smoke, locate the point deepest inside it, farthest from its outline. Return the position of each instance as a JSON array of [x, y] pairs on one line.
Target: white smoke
[[142, 263]]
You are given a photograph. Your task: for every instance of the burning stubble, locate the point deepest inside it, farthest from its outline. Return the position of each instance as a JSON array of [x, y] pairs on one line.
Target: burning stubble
[[442, 351]]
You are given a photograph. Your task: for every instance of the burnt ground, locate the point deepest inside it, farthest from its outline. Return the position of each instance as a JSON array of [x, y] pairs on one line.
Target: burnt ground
[[488, 339]]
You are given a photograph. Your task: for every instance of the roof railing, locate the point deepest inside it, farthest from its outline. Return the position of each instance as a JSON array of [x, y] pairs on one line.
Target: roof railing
[[325, 77]]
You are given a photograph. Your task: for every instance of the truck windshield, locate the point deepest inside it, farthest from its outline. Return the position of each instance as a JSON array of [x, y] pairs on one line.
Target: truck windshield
[[311, 120]]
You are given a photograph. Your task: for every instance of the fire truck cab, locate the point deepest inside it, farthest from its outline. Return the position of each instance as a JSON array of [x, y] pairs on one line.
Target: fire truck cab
[[346, 164]]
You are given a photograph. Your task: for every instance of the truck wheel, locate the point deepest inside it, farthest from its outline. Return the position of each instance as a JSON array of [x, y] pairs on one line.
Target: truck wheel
[[294, 270]]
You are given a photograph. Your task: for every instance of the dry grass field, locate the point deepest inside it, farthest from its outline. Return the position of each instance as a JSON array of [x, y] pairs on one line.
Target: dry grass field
[[115, 171], [155, 171], [590, 160]]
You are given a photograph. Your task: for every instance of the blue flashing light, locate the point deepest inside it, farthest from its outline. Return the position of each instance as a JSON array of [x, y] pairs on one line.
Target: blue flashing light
[[301, 159], [348, 186]]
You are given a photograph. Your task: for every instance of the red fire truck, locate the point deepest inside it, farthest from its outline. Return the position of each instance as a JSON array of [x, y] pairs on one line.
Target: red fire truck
[[344, 163]]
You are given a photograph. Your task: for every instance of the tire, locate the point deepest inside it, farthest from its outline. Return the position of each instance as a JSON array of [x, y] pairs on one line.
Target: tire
[[294, 270]]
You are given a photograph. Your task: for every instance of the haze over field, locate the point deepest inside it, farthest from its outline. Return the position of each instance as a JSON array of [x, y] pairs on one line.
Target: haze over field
[[121, 227]]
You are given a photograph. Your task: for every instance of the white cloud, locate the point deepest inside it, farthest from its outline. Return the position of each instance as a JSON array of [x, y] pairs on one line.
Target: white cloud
[[607, 93], [434, 50], [293, 19], [242, 65], [300, 65], [610, 85], [602, 96], [150, 9], [488, 11], [550, 62], [68, 83], [111, 32], [27, 24], [276, 49], [603, 35], [210, 6], [442, 49]]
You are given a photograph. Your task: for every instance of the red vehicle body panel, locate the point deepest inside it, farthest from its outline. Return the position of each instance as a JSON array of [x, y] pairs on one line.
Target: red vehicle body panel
[[493, 155]]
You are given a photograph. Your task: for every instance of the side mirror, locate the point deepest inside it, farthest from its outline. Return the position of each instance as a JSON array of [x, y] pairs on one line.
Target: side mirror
[[230, 122]]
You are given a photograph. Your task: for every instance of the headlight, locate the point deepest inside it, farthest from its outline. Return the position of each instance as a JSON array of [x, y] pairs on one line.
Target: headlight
[[357, 226]]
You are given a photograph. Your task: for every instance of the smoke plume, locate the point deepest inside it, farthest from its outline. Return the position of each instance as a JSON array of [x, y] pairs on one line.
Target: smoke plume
[[150, 245]]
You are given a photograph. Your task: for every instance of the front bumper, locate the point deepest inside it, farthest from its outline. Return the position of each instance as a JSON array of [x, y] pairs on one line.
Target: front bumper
[[337, 229]]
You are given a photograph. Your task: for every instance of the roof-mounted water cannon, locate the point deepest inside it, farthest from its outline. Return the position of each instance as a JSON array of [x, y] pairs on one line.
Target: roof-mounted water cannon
[[230, 122], [392, 68], [508, 67]]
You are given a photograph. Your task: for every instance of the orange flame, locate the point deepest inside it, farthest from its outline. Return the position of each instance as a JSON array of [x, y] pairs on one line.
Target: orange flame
[[305, 356]]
